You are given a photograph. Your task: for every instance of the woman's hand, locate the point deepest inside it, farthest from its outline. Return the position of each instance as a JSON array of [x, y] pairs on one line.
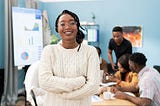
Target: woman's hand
[[78, 82], [104, 89], [113, 89], [112, 78]]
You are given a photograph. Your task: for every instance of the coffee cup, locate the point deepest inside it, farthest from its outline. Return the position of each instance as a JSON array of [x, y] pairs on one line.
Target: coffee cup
[[107, 95]]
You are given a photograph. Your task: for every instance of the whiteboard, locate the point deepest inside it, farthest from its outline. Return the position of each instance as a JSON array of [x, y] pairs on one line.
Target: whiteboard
[[27, 35]]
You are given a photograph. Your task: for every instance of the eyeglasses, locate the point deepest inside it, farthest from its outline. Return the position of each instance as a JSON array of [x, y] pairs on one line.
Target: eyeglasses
[[70, 23]]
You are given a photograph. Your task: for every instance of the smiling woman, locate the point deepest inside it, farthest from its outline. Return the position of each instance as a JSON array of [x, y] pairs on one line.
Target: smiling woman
[[69, 71]]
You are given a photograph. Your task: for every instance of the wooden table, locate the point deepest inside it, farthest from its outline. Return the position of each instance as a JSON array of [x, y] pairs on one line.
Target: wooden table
[[113, 102]]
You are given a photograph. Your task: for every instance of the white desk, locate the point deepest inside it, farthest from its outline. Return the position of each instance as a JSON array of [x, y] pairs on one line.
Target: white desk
[[113, 102]]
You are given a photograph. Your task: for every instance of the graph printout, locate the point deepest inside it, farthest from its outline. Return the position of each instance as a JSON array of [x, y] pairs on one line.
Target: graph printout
[[27, 35]]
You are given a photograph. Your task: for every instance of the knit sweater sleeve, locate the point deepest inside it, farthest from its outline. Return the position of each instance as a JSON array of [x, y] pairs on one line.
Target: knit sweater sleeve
[[52, 83], [93, 78]]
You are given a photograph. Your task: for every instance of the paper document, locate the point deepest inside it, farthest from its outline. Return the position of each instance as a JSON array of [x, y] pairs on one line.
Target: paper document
[[108, 84], [96, 98]]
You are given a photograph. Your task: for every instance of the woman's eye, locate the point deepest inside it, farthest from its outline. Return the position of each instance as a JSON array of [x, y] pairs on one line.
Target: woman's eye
[[72, 23], [62, 24]]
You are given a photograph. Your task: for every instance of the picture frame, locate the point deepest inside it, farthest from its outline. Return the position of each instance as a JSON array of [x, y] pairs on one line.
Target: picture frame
[[133, 34]]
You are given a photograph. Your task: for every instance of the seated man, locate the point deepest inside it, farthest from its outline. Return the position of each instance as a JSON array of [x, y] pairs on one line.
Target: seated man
[[149, 83], [31, 83]]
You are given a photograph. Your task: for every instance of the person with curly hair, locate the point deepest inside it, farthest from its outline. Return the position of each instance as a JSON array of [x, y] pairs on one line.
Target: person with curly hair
[[148, 85], [69, 71]]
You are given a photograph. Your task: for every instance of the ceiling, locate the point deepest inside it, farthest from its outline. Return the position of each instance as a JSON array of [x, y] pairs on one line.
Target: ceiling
[[62, 0]]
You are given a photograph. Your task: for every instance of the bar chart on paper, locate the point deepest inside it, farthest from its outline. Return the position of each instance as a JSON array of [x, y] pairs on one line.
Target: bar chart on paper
[[27, 35]]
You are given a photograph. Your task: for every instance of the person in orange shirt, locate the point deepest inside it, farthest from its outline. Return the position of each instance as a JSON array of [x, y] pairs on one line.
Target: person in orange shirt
[[124, 76], [148, 85]]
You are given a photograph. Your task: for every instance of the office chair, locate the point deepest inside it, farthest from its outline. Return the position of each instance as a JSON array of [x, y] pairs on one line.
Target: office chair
[[34, 97], [157, 68]]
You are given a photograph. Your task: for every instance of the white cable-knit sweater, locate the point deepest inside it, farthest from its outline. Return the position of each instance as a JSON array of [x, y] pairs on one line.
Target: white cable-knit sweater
[[61, 74]]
